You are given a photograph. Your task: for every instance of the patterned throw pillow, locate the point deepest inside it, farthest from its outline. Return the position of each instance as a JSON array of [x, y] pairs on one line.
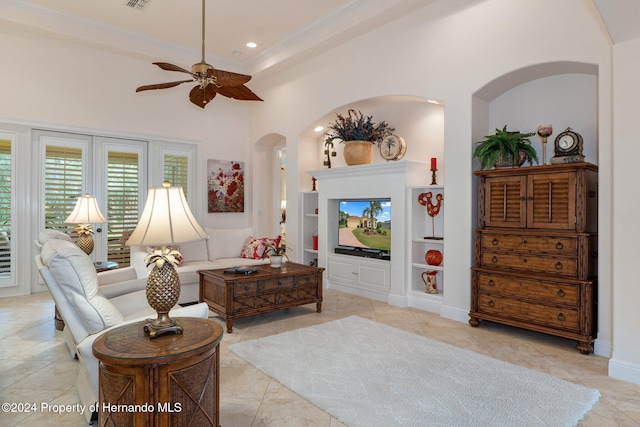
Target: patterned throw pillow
[[178, 257], [254, 247]]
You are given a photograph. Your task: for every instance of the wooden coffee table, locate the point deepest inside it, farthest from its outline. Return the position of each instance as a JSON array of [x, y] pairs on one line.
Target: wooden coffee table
[[234, 296]]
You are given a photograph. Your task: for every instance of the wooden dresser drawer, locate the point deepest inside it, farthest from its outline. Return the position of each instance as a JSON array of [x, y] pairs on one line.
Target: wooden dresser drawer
[[545, 244], [560, 293], [530, 262], [287, 283], [566, 318], [244, 288]]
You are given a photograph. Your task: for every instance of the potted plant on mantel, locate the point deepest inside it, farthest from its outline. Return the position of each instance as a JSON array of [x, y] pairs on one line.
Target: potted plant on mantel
[[505, 149], [358, 133]]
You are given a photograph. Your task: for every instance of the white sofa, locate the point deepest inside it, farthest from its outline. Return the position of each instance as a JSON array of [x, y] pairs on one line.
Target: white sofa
[[73, 283], [222, 249]]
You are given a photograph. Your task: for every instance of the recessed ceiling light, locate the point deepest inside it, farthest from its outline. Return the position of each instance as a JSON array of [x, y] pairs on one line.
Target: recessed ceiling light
[[318, 128], [236, 53], [251, 45]]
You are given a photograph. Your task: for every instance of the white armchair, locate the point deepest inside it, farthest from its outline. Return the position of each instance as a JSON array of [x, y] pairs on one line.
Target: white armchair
[[73, 282]]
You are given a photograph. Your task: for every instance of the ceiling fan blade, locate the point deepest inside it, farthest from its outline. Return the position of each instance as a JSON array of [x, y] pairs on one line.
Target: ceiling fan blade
[[201, 96], [162, 85], [238, 92], [228, 78], [171, 67]]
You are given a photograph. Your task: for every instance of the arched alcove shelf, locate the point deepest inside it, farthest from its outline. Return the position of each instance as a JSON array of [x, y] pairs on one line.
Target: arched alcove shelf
[[420, 121], [562, 93]]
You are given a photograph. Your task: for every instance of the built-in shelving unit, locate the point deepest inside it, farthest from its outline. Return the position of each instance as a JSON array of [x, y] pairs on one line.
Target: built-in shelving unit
[[309, 227], [426, 233]]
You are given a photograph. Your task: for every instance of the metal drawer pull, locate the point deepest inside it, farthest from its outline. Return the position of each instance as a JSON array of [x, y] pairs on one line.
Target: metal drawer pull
[[279, 283], [524, 242], [491, 282], [524, 260], [560, 293], [561, 316], [494, 241], [494, 259], [558, 265], [559, 245], [246, 288], [491, 303]]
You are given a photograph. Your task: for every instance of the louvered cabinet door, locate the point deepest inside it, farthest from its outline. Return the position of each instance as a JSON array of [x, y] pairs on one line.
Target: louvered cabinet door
[[505, 204], [551, 201]]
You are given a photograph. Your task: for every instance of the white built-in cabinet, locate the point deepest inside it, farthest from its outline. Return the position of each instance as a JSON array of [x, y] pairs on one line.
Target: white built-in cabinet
[[367, 274], [309, 211], [425, 233], [397, 281]]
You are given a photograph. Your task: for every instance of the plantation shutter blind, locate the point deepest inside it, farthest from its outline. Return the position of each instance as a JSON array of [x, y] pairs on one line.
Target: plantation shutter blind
[[63, 185], [122, 207], [5, 207], [176, 171]]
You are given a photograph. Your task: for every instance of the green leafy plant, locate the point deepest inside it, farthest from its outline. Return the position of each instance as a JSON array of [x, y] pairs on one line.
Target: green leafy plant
[[275, 250], [357, 127], [509, 146]]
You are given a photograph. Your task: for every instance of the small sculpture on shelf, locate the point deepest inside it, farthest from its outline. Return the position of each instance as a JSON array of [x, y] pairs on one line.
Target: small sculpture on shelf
[[432, 210], [328, 152], [430, 281], [544, 132]]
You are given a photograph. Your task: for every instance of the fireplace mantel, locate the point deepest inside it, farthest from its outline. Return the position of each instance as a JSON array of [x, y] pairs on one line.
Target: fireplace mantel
[[372, 171]]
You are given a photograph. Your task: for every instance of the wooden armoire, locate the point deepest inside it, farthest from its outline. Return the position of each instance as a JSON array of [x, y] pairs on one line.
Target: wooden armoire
[[535, 250]]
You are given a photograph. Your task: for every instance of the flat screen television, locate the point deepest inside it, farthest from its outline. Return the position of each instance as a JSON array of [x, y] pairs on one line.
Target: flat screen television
[[364, 227]]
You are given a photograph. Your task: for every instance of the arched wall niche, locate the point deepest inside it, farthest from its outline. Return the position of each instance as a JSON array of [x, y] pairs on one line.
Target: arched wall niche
[[420, 121], [563, 93], [264, 177]]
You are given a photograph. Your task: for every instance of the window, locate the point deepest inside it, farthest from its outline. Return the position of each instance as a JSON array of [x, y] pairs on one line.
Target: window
[[123, 198], [63, 184], [176, 171], [5, 207]]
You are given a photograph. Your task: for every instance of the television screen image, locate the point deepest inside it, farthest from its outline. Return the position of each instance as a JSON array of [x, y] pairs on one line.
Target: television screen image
[[365, 224]]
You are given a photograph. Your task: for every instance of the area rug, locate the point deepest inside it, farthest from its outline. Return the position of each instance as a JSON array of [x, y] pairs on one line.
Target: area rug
[[369, 374]]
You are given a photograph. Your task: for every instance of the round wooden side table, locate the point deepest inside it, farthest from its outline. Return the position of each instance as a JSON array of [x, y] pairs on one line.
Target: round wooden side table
[[172, 380]]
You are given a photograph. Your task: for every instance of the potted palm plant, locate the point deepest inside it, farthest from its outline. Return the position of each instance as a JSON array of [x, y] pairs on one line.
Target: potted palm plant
[[358, 132], [505, 149]]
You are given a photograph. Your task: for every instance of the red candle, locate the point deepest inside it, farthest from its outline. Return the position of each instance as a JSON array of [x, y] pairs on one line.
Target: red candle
[[433, 164]]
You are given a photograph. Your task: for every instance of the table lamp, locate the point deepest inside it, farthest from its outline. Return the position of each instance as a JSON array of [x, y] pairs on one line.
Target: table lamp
[[85, 213], [166, 220]]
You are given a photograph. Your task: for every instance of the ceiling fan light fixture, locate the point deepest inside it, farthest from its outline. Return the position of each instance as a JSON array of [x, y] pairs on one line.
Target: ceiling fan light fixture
[[210, 81]]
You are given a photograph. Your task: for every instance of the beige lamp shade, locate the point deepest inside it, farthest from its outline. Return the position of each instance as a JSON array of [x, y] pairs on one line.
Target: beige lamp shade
[[86, 211], [166, 219]]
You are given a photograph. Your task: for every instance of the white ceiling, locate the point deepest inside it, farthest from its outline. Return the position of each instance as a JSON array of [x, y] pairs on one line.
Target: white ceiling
[[285, 30]]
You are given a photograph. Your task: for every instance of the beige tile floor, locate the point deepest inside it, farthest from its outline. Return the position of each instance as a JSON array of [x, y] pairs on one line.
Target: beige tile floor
[[35, 365]]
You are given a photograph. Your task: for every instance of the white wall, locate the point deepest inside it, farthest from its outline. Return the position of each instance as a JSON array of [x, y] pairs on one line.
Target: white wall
[[59, 85], [625, 363], [434, 54]]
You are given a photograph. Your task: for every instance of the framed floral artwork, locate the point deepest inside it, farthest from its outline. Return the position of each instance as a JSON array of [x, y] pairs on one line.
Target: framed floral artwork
[[225, 186]]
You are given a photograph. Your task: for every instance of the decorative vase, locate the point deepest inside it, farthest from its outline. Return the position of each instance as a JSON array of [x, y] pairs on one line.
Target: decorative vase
[[276, 261], [433, 257], [430, 281], [85, 242], [358, 152]]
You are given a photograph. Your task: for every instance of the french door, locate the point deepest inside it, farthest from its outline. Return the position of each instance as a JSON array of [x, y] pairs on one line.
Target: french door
[[110, 169]]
